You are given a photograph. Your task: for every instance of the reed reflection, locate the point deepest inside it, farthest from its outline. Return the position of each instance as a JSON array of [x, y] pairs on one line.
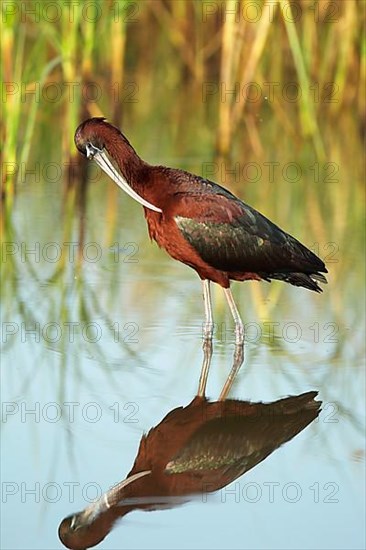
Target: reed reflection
[[194, 450]]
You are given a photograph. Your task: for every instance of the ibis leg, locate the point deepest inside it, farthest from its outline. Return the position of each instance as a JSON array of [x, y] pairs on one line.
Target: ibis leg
[[239, 327], [207, 356], [208, 326], [237, 363]]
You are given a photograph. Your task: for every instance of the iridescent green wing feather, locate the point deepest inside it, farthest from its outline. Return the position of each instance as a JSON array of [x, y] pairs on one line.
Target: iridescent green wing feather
[[231, 236]]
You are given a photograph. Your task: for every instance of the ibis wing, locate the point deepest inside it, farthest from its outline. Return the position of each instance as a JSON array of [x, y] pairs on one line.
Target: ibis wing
[[231, 236]]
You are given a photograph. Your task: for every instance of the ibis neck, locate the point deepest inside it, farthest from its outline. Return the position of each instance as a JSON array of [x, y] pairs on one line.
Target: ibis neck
[[132, 167]]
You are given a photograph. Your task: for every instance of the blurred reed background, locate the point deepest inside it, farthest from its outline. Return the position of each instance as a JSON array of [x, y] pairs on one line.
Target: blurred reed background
[[141, 60], [218, 88]]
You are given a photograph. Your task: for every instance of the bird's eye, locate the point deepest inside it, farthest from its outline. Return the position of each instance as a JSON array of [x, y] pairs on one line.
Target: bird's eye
[[90, 150]]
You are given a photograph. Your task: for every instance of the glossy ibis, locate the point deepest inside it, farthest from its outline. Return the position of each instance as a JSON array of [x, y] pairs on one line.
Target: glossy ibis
[[194, 450], [200, 223]]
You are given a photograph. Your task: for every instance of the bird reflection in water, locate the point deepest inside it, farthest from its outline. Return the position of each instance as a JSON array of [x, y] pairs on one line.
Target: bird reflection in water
[[194, 450]]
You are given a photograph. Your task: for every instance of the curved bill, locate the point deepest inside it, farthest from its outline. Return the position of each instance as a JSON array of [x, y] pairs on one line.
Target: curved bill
[[105, 164], [111, 498]]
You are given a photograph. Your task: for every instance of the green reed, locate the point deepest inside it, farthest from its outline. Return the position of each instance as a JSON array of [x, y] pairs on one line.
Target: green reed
[[12, 60], [152, 61]]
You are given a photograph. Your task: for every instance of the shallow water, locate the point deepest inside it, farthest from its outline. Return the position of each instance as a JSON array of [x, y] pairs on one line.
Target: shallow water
[[96, 352]]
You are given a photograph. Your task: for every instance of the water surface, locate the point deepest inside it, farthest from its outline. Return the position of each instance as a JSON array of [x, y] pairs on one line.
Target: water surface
[[102, 339]]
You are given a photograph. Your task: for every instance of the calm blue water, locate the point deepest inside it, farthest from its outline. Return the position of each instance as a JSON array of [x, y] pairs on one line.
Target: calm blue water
[[93, 358]]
